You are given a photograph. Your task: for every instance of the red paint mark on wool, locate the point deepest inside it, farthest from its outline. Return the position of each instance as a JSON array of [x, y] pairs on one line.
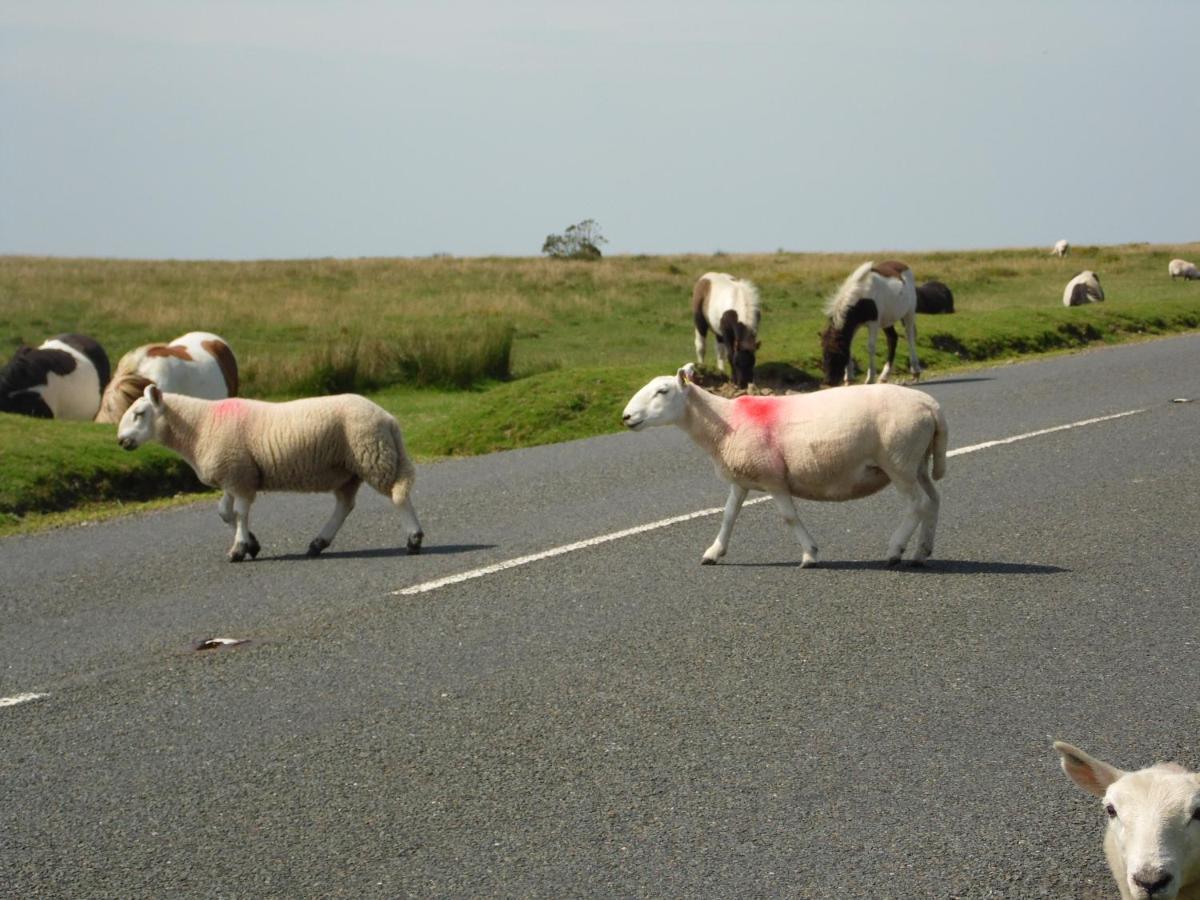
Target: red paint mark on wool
[[233, 408], [760, 411]]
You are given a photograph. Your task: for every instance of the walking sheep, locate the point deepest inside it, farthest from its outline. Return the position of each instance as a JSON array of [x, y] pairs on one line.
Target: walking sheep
[[1153, 837], [831, 445], [246, 446], [1181, 268], [1083, 288]]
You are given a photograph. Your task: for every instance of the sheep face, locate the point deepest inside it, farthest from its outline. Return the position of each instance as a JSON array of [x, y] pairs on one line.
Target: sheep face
[[661, 402], [1153, 839], [140, 422]]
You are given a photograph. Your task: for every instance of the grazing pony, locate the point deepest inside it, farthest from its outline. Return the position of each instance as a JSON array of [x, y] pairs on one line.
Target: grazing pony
[[61, 379], [933, 297], [878, 295], [1061, 248], [1083, 288], [198, 364], [730, 307], [1181, 268]]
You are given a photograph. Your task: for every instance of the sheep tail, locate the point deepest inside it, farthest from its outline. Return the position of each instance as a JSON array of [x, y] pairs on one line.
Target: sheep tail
[[406, 473], [941, 436]]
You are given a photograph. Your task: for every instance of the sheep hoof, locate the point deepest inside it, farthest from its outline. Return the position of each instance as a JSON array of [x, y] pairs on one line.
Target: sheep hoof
[[893, 561], [917, 563], [706, 561], [808, 562], [238, 553], [414, 543], [317, 545]]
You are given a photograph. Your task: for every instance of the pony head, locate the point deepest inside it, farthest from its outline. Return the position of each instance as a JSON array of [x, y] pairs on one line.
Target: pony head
[[742, 344], [835, 355]]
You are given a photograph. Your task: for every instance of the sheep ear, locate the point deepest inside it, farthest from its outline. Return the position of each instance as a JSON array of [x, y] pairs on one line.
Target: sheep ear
[[685, 374], [1091, 774], [154, 395]]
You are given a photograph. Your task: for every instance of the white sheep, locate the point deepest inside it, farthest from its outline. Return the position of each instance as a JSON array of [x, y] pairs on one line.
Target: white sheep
[[246, 446], [1061, 248], [1181, 268], [1083, 288], [830, 445], [1153, 838]]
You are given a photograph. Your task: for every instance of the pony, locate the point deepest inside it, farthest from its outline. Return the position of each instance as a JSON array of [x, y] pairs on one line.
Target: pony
[[878, 295], [61, 379], [1083, 288], [1181, 268], [1060, 249], [933, 297], [730, 307], [198, 364]]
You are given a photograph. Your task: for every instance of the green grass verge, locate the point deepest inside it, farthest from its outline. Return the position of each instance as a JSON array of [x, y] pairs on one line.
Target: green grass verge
[[578, 338]]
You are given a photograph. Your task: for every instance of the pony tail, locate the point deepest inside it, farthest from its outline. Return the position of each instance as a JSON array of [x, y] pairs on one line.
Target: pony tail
[[852, 289]]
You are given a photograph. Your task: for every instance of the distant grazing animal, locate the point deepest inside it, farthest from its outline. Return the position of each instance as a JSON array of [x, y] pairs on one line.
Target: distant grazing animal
[[730, 307], [1083, 288], [878, 296], [199, 364], [830, 445], [1153, 838], [61, 379], [1181, 268], [934, 297], [246, 446], [1061, 248]]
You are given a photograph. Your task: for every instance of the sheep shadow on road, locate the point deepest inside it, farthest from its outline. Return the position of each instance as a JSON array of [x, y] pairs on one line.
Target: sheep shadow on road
[[932, 567], [381, 552]]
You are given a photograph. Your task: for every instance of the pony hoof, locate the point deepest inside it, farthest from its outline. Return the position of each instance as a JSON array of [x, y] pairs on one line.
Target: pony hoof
[[414, 544], [317, 545]]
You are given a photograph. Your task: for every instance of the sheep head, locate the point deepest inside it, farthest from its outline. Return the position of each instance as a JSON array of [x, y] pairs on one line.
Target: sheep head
[[661, 402], [1153, 838], [141, 421]]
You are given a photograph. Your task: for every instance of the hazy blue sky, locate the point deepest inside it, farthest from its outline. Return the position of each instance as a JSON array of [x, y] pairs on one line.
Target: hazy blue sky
[[214, 129]]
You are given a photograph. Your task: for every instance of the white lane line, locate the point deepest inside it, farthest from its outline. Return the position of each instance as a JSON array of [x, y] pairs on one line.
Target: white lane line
[[20, 698], [472, 574]]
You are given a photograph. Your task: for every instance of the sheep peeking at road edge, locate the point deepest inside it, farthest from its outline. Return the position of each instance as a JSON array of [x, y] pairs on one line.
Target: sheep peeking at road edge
[[313, 445], [1153, 837], [831, 445]]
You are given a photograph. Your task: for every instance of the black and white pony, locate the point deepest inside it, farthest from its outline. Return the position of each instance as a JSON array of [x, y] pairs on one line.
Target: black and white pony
[[933, 298], [878, 296], [730, 307], [61, 379]]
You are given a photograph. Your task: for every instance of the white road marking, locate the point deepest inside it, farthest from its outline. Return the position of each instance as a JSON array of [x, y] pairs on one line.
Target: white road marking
[[20, 698], [472, 574]]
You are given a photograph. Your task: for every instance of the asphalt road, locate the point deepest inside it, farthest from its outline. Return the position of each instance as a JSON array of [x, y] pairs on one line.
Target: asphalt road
[[620, 721]]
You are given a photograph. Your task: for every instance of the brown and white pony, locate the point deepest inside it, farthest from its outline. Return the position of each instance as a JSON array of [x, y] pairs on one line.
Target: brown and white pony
[[878, 296], [730, 307], [198, 364]]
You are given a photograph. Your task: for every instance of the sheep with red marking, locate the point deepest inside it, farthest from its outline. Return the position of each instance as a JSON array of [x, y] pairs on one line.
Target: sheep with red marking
[[312, 445], [830, 445], [199, 364], [1153, 839]]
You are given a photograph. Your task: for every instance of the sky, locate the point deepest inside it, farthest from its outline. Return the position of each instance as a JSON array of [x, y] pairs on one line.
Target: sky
[[248, 130]]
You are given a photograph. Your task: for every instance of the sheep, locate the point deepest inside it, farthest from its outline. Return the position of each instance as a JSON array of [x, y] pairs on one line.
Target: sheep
[[1153, 839], [1061, 248], [1083, 288], [61, 379], [199, 364], [831, 445], [246, 446], [1181, 268]]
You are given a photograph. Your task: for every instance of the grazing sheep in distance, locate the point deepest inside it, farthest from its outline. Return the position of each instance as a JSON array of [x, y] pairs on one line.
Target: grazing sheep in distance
[[246, 446], [1061, 248], [730, 307], [1083, 288], [933, 297], [1181, 268], [831, 445], [61, 379], [879, 296], [1153, 839], [199, 364]]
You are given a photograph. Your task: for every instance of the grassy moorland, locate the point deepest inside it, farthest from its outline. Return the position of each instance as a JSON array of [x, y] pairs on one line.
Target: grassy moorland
[[475, 355]]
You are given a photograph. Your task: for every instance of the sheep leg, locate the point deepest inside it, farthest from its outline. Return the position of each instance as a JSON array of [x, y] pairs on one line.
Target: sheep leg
[[243, 541], [737, 495], [910, 331], [225, 511], [787, 506], [408, 514], [918, 503], [872, 337], [929, 522], [344, 497]]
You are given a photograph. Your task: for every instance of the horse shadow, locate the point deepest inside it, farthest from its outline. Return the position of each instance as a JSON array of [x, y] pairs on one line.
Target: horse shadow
[[381, 552]]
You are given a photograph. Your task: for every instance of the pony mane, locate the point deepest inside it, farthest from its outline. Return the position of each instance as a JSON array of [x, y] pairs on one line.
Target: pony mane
[[749, 295], [851, 291]]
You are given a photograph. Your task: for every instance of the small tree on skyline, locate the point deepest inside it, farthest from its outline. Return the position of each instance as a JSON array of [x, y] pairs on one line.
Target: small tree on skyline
[[580, 241]]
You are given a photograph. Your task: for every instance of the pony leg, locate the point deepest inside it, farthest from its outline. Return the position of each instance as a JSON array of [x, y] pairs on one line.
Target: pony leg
[[890, 334], [344, 497], [737, 495], [225, 511], [787, 506], [722, 356], [872, 337], [910, 331], [243, 540], [701, 324], [929, 522]]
